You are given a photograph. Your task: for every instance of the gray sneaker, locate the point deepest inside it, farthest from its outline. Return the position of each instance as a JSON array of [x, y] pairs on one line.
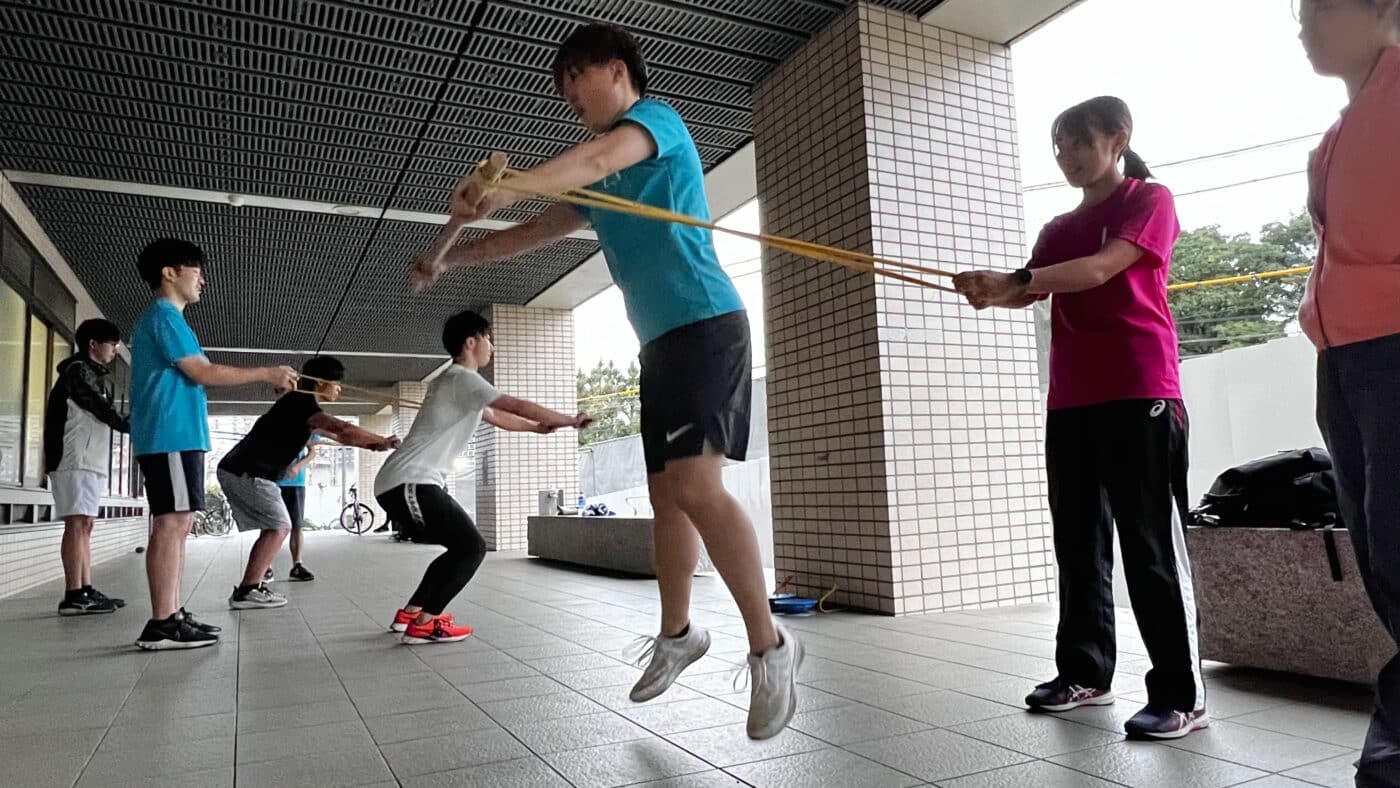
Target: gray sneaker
[[665, 658], [258, 596], [773, 697]]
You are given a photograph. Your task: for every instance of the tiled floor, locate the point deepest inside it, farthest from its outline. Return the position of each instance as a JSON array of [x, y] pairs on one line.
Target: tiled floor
[[316, 693]]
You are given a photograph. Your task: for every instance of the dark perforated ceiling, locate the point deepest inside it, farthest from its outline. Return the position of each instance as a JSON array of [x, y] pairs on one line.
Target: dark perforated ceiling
[[379, 103]]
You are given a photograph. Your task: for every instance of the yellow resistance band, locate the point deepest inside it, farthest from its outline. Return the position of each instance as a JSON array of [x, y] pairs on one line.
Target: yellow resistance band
[[492, 173], [1234, 280], [387, 399]]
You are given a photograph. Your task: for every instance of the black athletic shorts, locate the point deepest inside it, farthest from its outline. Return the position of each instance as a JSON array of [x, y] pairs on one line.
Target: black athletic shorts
[[295, 499], [697, 388], [174, 481]]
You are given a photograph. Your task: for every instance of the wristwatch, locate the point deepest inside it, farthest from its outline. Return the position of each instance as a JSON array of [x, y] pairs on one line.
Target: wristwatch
[[1022, 276]]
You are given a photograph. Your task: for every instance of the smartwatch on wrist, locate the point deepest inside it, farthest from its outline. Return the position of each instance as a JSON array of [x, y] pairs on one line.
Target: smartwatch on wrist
[[1022, 276]]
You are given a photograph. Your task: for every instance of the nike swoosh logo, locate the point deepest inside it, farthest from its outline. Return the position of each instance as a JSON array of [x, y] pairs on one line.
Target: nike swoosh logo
[[671, 436]]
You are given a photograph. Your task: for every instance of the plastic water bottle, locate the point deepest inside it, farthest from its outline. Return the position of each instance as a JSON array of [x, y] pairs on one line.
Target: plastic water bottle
[[582, 504]]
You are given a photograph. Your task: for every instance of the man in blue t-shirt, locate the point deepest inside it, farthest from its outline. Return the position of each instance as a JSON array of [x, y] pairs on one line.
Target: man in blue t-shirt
[[696, 352], [293, 487], [170, 429]]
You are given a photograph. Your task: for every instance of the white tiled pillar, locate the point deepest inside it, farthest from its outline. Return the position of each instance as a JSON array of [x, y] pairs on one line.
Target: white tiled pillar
[[535, 361], [905, 428]]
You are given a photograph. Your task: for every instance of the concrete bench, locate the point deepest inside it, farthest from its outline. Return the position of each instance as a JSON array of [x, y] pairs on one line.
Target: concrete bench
[[619, 544], [1267, 600]]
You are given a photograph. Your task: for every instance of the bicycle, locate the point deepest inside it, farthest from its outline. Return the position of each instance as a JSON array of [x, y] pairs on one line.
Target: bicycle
[[357, 518], [215, 520]]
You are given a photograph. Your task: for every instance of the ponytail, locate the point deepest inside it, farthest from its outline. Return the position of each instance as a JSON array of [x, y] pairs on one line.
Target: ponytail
[[1134, 166]]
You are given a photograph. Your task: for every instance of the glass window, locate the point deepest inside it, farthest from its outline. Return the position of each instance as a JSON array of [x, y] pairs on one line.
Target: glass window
[[38, 387], [12, 317]]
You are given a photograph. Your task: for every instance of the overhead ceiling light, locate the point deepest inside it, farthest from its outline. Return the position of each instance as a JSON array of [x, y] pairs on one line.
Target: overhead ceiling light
[[346, 210]]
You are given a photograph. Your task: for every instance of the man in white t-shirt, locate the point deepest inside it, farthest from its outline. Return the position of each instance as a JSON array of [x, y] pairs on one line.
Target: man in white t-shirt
[[412, 485]]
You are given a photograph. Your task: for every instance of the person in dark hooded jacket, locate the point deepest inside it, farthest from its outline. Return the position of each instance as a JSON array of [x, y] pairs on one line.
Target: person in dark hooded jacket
[[77, 452]]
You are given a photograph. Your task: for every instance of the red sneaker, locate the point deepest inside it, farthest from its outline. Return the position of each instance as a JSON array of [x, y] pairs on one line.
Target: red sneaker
[[440, 630], [403, 618]]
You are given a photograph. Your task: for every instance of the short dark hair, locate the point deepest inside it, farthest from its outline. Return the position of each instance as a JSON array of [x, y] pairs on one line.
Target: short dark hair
[[323, 367], [461, 327], [595, 44], [1107, 115], [164, 253], [97, 330]]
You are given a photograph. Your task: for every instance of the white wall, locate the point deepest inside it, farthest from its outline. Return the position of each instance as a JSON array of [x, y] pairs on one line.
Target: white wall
[[1248, 403]]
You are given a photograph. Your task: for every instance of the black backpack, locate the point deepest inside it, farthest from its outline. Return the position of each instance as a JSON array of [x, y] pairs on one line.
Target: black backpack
[[1291, 489]]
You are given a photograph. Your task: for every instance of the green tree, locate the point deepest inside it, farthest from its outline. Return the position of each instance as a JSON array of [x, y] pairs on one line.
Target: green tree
[[1211, 319], [609, 395]]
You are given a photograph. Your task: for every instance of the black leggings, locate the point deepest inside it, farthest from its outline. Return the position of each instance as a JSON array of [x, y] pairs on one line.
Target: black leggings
[[428, 514]]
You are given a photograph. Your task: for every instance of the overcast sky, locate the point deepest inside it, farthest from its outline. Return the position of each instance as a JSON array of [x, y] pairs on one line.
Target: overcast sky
[[1202, 77]]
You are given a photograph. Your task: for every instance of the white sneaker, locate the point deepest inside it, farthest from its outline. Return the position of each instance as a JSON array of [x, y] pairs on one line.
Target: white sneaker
[[668, 657], [773, 697], [257, 597]]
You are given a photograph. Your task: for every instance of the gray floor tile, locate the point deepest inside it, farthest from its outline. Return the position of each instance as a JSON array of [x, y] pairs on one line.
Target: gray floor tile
[[445, 753], [730, 745], [1334, 726], [489, 671], [1145, 764], [543, 707], [1038, 735], [1034, 774], [573, 733], [1276, 781], [315, 689], [356, 767], [849, 724], [313, 740], [202, 778], [625, 763], [301, 716], [508, 689], [45, 760], [113, 760], [1261, 749], [613, 675], [686, 715], [710, 779], [148, 733], [616, 697], [573, 663], [1334, 772], [937, 754], [520, 773], [944, 708], [821, 769]]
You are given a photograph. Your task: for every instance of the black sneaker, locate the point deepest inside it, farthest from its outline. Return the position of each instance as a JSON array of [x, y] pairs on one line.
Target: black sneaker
[[1058, 696], [381, 529], [199, 625], [101, 597], [267, 575], [1151, 723], [173, 633], [80, 604], [300, 574]]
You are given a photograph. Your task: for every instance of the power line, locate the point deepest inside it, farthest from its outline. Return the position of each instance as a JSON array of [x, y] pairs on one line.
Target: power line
[[1193, 159], [1241, 183]]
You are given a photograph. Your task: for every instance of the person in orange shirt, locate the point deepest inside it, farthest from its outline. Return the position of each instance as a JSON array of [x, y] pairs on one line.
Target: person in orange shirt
[[1351, 312]]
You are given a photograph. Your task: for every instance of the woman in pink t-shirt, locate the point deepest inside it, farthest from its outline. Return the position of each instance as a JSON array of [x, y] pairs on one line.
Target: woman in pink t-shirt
[[1116, 432], [1351, 312]]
